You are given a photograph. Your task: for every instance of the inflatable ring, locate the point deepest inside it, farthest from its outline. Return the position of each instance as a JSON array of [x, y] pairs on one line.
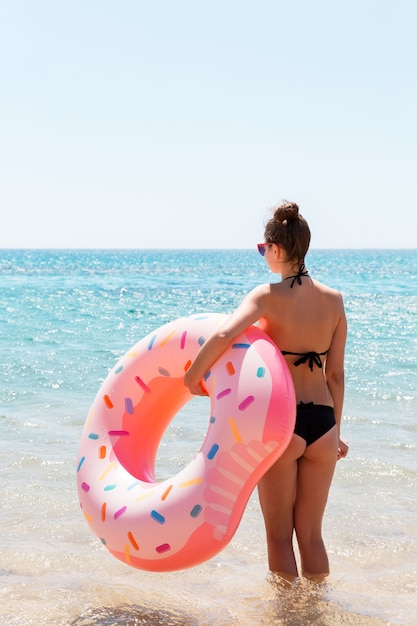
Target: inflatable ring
[[185, 520]]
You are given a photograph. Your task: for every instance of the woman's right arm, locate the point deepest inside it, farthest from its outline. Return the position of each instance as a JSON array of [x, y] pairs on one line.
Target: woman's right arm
[[335, 372], [247, 313]]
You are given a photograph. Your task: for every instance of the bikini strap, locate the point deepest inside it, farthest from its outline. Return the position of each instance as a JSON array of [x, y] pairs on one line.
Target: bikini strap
[[313, 358], [297, 277]]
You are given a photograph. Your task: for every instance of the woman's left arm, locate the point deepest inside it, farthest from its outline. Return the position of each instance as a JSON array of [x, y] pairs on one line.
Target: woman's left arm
[[248, 312]]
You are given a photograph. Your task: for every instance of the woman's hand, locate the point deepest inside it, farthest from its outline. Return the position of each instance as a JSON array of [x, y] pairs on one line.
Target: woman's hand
[[195, 386], [342, 449]]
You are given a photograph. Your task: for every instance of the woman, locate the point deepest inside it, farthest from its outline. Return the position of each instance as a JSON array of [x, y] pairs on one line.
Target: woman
[[307, 321]]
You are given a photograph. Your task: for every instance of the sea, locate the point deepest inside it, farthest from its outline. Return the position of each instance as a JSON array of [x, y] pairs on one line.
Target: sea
[[67, 316]]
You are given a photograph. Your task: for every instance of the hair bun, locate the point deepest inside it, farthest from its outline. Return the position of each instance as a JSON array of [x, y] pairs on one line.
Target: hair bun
[[286, 212]]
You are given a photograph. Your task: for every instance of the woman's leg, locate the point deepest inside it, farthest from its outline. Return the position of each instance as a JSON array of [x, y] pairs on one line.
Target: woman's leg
[[315, 473], [277, 492]]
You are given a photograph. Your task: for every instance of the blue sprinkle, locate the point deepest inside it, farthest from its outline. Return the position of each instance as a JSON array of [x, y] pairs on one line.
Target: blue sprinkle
[[213, 451], [212, 419], [119, 369], [241, 345], [80, 463], [157, 517], [260, 372], [152, 341], [109, 487], [201, 340], [196, 510], [93, 436], [133, 485], [103, 541], [207, 375]]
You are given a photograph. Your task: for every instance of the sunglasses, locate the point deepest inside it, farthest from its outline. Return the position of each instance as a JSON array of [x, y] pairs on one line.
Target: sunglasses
[[262, 248]]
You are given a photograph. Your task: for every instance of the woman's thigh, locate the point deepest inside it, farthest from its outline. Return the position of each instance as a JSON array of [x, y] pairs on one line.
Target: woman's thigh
[[277, 489], [315, 474]]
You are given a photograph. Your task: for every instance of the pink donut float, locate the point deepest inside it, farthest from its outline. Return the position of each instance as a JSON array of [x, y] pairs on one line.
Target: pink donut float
[[185, 520]]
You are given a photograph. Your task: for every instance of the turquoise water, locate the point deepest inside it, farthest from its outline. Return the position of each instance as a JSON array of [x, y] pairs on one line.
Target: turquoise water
[[67, 316]]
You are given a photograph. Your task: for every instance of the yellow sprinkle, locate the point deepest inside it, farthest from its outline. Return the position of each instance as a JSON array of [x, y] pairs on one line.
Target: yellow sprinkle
[[212, 386], [107, 470], [189, 483], [127, 553], [132, 355], [234, 429], [145, 495], [89, 418], [164, 341], [88, 517]]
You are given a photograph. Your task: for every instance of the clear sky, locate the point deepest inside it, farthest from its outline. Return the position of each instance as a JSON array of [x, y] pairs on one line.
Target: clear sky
[[180, 123]]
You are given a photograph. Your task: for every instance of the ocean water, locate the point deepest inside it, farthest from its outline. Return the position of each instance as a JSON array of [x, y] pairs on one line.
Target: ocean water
[[66, 318]]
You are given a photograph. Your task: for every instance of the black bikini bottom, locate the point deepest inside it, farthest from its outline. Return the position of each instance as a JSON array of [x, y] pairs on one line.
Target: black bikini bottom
[[313, 421]]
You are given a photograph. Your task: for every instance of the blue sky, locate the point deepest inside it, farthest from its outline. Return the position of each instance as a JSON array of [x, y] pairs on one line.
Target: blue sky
[[157, 123]]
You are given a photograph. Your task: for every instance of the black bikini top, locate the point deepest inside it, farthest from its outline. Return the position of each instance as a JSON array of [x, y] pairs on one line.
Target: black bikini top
[[297, 277], [313, 358]]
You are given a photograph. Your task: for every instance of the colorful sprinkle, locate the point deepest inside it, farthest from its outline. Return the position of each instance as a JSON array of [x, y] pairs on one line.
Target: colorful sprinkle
[[230, 369], [132, 540], [183, 338], [89, 418], [80, 463], [239, 346], [108, 402], [157, 517], [187, 366], [143, 496], [223, 393], [260, 372], [152, 341], [212, 419], [119, 433], [107, 470], [142, 384], [167, 338], [163, 371], [120, 512], [190, 483], [245, 403], [127, 554], [236, 434], [201, 341], [129, 406], [166, 492], [196, 510], [119, 369], [207, 375], [85, 487], [93, 436], [102, 452], [110, 487], [103, 511], [213, 451], [164, 547]]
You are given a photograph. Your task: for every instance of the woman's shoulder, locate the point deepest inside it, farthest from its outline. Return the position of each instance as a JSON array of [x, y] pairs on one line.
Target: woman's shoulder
[[332, 295]]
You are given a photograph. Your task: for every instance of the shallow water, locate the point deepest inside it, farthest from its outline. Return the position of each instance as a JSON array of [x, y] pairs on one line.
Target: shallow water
[[68, 316]]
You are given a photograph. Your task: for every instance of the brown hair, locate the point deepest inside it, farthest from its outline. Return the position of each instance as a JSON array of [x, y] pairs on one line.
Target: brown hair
[[288, 228]]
